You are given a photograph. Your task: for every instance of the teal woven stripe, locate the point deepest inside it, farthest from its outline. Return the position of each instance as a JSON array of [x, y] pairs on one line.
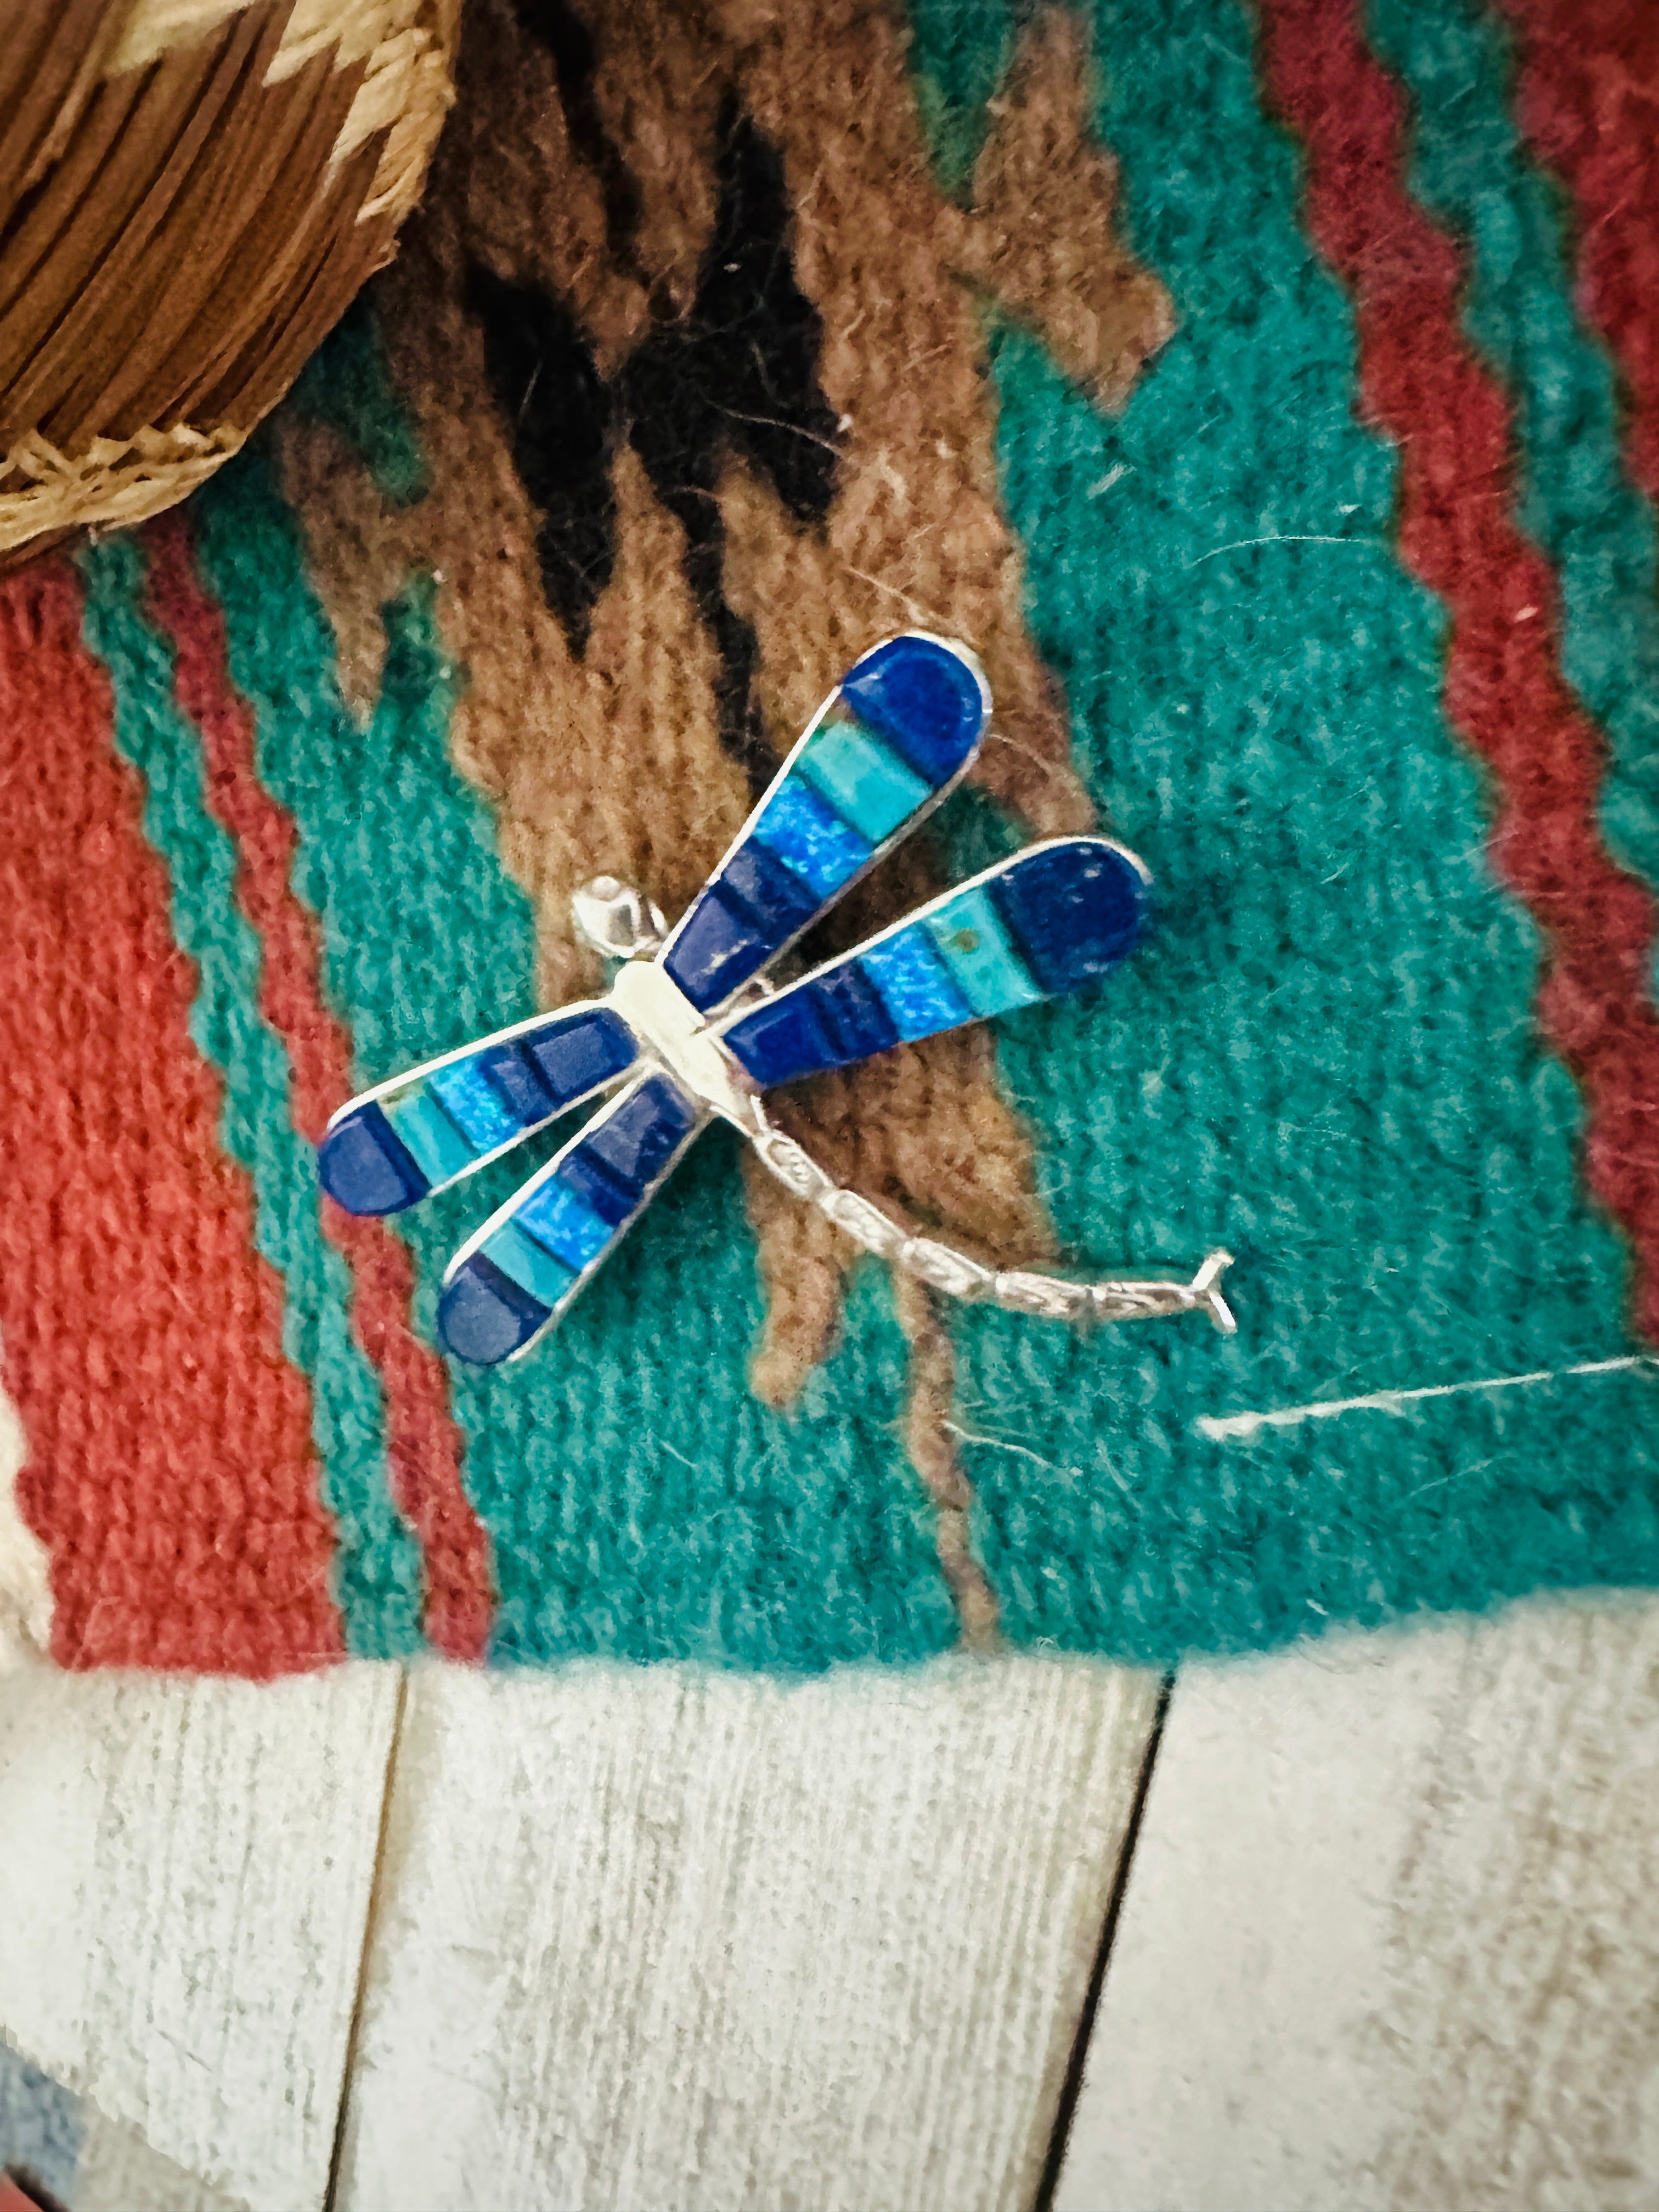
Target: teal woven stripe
[[347, 384], [960, 52], [378, 1565], [641, 1503], [1325, 1058], [1471, 171]]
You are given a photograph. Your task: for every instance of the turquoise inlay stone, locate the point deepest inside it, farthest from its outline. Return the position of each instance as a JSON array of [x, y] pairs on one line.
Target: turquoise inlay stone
[[473, 1105], [522, 1260], [555, 1216], [864, 781], [440, 1150], [980, 955], [815, 844], [914, 984]]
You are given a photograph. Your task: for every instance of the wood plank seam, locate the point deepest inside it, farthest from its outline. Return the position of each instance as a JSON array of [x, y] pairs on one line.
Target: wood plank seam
[[376, 1889], [1072, 2086]]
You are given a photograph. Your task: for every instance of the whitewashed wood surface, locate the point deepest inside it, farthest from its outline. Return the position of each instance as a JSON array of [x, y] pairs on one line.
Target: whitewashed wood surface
[[654, 1939], [1390, 1938], [184, 1886]]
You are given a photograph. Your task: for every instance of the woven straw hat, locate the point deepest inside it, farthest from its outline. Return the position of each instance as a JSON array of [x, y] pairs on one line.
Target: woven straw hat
[[190, 191]]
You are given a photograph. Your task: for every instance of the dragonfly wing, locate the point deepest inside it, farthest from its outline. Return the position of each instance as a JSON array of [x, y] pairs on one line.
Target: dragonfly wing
[[514, 1277], [398, 1143], [904, 724], [1033, 927]]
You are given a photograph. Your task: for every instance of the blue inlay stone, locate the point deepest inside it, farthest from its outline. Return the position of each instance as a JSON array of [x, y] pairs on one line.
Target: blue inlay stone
[[753, 908], [812, 843], [719, 948], [641, 1138], [763, 888], [440, 1150], [471, 1103], [916, 986], [525, 1261], [980, 954], [483, 1315], [556, 1218], [782, 1040], [924, 699], [1072, 911], [863, 779], [849, 1006], [598, 1187], [514, 1078], [576, 1056], [362, 1164]]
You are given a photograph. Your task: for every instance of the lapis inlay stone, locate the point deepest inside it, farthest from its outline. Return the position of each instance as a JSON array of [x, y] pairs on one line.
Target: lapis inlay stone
[[924, 699], [362, 1166], [514, 1078], [812, 843], [916, 986], [780, 1042], [575, 1057], [778, 903], [558, 1218], [483, 1315], [597, 1186], [849, 1006], [752, 909], [1072, 911], [826, 1023], [641, 1138], [718, 948], [472, 1105]]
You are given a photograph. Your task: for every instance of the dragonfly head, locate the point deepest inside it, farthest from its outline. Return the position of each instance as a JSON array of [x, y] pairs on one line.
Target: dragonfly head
[[617, 920]]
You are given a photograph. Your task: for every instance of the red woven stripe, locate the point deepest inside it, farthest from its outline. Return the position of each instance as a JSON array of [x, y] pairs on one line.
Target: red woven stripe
[[1504, 689], [1588, 100], [423, 1443], [171, 1471]]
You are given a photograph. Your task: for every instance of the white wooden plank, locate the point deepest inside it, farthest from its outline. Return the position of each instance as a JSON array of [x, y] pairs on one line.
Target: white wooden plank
[[1391, 1935], [183, 1898], [654, 1938]]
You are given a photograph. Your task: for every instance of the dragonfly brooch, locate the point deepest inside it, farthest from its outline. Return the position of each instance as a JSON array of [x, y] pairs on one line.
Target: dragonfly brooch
[[692, 1030]]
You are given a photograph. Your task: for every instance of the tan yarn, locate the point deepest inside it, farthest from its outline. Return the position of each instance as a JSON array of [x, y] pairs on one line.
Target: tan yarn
[[190, 191]]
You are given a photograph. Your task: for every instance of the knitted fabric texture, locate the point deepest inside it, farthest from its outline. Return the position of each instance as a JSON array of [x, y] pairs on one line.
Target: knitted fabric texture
[[1272, 397]]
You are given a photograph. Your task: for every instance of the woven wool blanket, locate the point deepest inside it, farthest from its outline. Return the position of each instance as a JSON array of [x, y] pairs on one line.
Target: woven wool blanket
[[1272, 395]]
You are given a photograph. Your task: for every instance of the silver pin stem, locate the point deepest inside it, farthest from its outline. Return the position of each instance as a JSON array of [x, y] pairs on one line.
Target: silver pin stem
[[1017, 1290]]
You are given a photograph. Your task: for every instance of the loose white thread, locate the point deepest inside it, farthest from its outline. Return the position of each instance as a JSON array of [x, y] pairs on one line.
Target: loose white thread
[[1222, 1428]]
